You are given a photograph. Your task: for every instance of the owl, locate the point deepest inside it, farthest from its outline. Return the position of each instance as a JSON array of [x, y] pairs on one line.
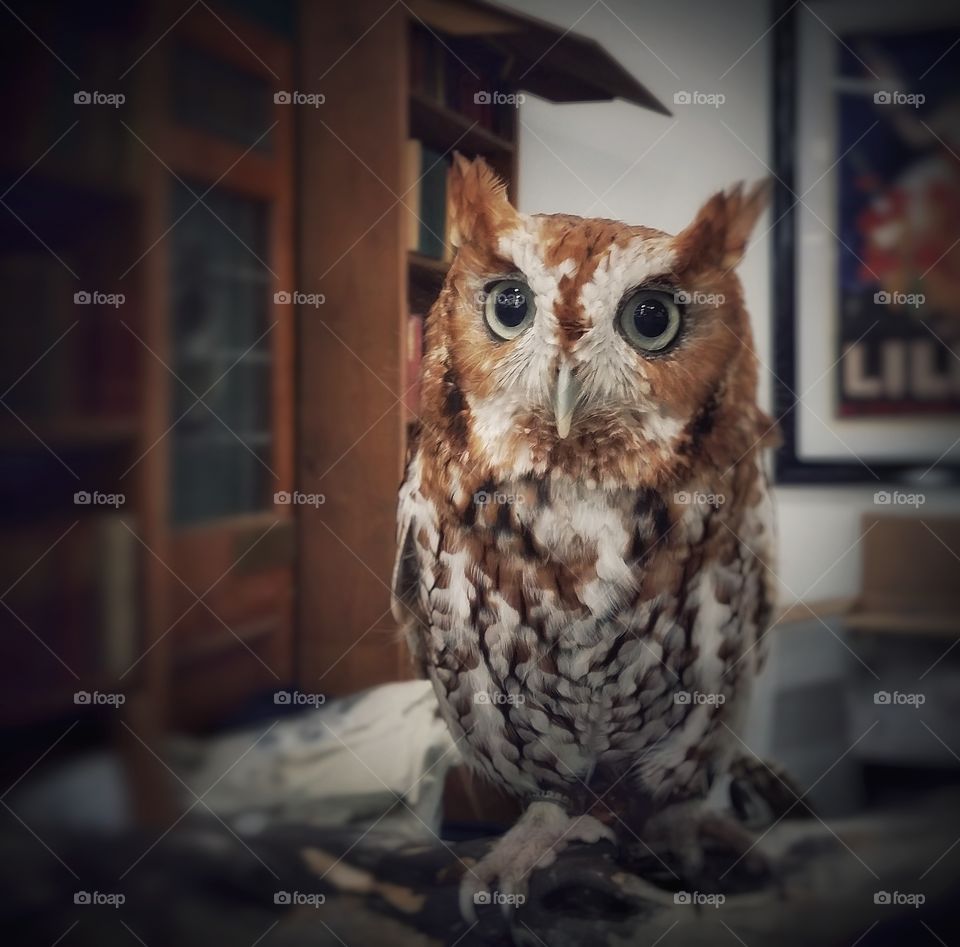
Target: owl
[[585, 528]]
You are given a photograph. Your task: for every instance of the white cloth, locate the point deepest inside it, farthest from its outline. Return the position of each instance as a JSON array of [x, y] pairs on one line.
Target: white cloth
[[346, 761]]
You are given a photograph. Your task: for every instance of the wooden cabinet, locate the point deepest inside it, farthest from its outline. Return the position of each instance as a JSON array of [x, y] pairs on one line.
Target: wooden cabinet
[[152, 362], [247, 202], [222, 424]]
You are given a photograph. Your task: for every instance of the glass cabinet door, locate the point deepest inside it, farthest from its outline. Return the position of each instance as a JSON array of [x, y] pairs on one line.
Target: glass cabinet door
[[221, 353]]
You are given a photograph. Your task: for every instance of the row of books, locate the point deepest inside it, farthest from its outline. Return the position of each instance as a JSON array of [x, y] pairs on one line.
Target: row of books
[[91, 366], [438, 74], [82, 599], [425, 198]]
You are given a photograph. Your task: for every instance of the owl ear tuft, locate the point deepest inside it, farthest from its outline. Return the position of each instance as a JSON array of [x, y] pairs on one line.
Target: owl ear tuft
[[722, 227], [478, 205]]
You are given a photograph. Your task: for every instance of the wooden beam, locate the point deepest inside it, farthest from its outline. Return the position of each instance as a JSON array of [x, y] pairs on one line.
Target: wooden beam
[[352, 250]]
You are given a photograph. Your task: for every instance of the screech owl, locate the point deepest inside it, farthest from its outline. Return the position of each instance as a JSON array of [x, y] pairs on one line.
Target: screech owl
[[585, 527]]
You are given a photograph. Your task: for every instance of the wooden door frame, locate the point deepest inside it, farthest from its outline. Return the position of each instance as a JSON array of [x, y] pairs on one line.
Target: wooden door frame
[[351, 427], [202, 158]]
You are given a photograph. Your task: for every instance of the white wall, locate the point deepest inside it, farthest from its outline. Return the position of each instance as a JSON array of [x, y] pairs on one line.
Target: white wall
[[616, 160]]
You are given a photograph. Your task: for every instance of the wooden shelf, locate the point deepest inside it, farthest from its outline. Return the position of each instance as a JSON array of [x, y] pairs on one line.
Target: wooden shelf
[[221, 641], [426, 276], [80, 432], [812, 611], [73, 178], [443, 128], [427, 268], [58, 699], [910, 623]]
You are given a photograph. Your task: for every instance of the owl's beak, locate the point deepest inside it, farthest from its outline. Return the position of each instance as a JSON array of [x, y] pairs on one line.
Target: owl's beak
[[566, 398]]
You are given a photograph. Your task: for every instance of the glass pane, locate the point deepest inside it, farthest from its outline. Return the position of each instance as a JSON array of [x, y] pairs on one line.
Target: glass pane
[[218, 98], [279, 16], [221, 354]]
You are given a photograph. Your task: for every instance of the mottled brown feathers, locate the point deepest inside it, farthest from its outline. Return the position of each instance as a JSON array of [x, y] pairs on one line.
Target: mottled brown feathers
[[478, 199], [564, 590], [720, 231]]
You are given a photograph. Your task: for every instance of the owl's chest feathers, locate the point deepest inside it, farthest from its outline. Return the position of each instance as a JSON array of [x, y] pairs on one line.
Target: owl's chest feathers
[[563, 546], [562, 574], [566, 619]]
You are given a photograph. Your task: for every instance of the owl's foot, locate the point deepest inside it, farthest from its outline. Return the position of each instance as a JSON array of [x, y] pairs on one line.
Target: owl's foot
[[763, 793], [702, 848], [542, 832]]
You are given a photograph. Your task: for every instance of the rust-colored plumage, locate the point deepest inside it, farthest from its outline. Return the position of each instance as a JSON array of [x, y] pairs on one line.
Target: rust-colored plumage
[[584, 522]]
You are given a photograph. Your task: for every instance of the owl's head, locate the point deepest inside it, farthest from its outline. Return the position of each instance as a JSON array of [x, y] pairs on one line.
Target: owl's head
[[610, 352]]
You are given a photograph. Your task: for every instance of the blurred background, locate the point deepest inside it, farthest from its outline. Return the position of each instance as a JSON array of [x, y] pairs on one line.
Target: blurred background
[[222, 226]]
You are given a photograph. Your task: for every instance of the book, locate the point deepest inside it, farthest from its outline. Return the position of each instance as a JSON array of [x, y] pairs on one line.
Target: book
[[413, 161], [413, 356], [92, 624], [425, 201], [38, 297], [458, 81], [433, 203], [117, 554]]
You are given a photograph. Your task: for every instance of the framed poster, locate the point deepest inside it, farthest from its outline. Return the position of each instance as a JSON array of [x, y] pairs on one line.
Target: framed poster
[[867, 241]]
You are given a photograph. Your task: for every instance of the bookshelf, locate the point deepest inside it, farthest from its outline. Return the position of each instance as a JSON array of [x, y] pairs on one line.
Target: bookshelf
[[426, 269], [415, 76], [105, 598], [289, 594], [435, 123]]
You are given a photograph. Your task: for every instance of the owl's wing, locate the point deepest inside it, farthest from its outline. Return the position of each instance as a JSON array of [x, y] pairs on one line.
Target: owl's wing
[[763, 543], [405, 602]]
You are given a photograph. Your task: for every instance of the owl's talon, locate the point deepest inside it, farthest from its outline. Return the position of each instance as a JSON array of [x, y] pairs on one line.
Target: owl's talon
[[686, 833], [512, 893], [467, 891], [542, 833]]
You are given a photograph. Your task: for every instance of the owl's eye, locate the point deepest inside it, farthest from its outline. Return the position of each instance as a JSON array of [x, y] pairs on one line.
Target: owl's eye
[[508, 307], [650, 319]]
